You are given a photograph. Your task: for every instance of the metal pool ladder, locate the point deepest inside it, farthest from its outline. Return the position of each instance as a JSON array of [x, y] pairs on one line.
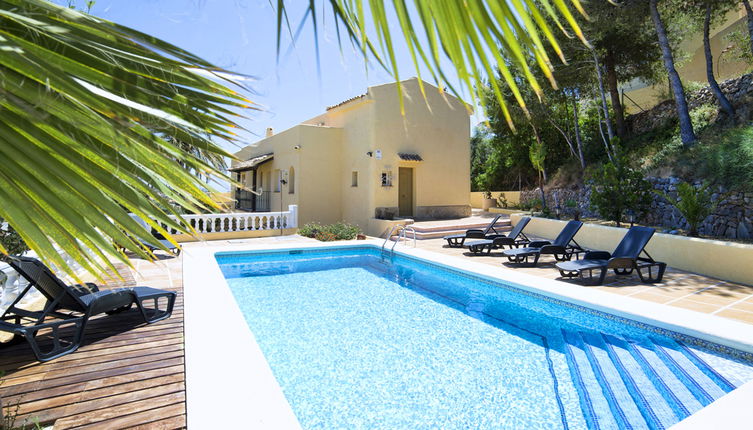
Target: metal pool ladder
[[401, 233]]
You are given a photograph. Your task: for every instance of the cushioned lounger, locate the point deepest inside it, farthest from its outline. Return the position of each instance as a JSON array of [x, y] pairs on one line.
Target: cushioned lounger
[[511, 239], [65, 331], [625, 258], [457, 240], [563, 247]]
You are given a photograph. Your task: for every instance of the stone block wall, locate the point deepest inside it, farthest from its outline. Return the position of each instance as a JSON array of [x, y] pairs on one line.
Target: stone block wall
[[732, 218]]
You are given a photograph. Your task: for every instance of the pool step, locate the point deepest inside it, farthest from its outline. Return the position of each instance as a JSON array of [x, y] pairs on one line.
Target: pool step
[[653, 383]]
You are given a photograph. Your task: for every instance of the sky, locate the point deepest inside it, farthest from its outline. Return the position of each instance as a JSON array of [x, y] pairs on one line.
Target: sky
[[240, 35]]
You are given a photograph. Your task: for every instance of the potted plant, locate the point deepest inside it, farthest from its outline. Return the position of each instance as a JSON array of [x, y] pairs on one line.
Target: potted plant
[[488, 202]]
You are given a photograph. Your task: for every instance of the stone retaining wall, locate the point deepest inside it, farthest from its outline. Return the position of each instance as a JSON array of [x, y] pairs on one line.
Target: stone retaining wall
[[732, 218]]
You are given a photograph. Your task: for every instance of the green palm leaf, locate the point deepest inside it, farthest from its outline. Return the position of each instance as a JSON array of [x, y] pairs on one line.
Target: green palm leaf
[[477, 37], [98, 120]]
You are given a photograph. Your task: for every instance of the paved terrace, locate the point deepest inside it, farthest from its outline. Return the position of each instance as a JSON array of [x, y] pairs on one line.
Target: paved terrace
[[131, 375]]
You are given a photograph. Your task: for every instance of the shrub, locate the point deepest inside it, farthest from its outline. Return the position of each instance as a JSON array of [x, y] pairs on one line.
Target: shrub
[[324, 236], [328, 233], [726, 160], [694, 204], [618, 188], [310, 230], [531, 204], [502, 200], [11, 240], [343, 231]]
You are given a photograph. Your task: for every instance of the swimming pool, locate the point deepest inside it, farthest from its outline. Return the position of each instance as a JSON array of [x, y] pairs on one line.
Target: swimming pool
[[355, 340]]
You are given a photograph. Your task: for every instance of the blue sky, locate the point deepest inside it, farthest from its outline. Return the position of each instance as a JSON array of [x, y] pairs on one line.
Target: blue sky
[[240, 35]]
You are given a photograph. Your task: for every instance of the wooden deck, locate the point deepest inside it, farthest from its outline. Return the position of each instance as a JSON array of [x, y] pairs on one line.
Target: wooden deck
[[127, 374]]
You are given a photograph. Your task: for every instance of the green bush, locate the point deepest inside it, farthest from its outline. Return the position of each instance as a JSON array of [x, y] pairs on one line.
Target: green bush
[[343, 231], [328, 233], [310, 230], [324, 236], [531, 204], [725, 160], [694, 204], [502, 200], [11, 241], [617, 188], [702, 116]]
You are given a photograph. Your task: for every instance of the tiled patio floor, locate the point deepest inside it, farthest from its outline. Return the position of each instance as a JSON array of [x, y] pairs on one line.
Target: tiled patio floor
[[678, 288]]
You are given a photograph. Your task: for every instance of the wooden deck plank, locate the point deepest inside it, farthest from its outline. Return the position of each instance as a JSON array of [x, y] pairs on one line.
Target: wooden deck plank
[[176, 422], [129, 414], [126, 374]]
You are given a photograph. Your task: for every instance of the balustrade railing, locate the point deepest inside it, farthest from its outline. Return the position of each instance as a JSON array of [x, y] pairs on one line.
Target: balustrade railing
[[242, 221]]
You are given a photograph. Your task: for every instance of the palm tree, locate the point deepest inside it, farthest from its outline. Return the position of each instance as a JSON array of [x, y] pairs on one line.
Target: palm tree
[[88, 106]]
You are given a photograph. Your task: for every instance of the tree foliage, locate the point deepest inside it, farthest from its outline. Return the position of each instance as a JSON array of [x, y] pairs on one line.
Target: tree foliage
[[617, 188]]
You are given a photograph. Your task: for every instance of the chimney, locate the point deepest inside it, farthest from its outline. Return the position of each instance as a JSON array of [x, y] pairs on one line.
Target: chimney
[[270, 132]]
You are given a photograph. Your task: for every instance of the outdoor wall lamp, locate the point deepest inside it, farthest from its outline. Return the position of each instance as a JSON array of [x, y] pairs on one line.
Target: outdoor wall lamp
[[369, 154], [297, 147]]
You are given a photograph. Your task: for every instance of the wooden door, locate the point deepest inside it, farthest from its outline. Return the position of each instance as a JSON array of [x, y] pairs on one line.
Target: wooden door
[[405, 191]]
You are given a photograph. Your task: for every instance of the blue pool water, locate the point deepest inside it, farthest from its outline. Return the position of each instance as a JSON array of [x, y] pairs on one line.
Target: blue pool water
[[358, 342]]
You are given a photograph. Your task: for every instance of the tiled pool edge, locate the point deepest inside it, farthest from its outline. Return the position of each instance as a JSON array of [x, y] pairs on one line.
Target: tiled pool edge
[[228, 381], [705, 327]]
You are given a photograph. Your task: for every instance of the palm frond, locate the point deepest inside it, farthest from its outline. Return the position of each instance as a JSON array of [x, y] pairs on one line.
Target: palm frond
[[476, 37], [91, 113]]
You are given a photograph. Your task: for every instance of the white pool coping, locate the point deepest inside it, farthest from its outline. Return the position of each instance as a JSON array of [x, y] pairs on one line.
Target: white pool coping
[[229, 382]]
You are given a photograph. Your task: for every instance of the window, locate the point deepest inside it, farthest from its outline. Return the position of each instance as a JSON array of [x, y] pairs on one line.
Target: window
[[387, 179], [291, 180], [278, 181], [354, 179]]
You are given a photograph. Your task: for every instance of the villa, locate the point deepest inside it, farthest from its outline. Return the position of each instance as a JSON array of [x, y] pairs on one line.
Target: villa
[[362, 160]]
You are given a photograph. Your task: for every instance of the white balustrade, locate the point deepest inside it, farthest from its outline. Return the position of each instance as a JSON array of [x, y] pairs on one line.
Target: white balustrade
[[243, 221]]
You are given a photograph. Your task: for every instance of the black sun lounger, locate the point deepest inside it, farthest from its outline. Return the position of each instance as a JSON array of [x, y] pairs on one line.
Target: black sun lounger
[[69, 307], [511, 239], [457, 240], [166, 243], [563, 247], [625, 258]]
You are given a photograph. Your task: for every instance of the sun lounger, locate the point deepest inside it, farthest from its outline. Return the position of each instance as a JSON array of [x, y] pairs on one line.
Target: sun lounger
[[562, 248], [457, 240], [514, 239], [69, 308], [166, 243], [625, 258]]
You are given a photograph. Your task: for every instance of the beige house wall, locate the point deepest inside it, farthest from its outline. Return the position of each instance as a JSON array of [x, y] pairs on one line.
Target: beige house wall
[[436, 128], [335, 144], [513, 197]]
